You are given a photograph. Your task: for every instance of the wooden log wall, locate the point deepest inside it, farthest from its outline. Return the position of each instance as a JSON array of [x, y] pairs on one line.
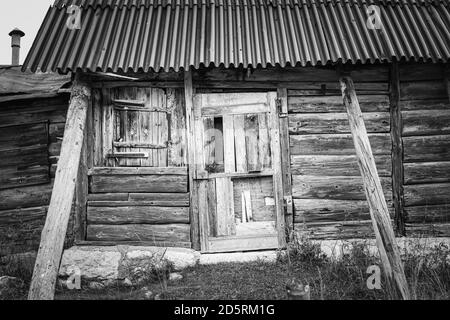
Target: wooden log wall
[[31, 131], [425, 110]]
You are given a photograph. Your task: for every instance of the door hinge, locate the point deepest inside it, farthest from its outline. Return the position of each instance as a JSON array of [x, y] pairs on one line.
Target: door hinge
[[281, 108]]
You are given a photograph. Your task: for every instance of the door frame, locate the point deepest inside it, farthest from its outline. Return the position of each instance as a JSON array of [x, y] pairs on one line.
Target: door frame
[[199, 189]]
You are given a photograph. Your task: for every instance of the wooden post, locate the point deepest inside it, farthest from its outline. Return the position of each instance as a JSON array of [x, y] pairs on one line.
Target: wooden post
[[54, 232], [397, 150], [193, 208], [387, 246]]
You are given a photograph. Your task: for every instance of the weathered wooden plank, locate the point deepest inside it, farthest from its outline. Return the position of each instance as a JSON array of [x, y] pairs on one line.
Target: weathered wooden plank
[[166, 171], [339, 188], [336, 144], [226, 225], [243, 243], [228, 144], [251, 142], [376, 122], [339, 230], [428, 229], [141, 203], [97, 127], [428, 214], [139, 183], [177, 138], [231, 104], [275, 146], [52, 242], [81, 192], [107, 127], [427, 172], [32, 196], [15, 81], [212, 209], [21, 136], [209, 142], [193, 212], [177, 197], [426, 122], [163, 244], [203, 211], [110, 215], [239, 143], [139, 232], [128, 156], [25, 157], [397, 150], [427, 194], [13, 177], [427, 148], [264, 142], [420, 72], [429, 104], [286, 169], [389, 252], [323, 104], [345, 165], [108, 197], [417, 90], [325, 210]]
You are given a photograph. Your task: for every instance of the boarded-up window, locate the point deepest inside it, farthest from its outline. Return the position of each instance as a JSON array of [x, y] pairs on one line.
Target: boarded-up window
[[24, 155]]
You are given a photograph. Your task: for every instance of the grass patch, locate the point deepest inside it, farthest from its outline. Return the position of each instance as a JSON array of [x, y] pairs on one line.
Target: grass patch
[[427, 271]]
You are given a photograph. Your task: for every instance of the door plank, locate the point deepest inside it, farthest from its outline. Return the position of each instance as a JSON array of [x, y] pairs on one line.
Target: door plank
[[239, 143], [228, 144], [251, 142]]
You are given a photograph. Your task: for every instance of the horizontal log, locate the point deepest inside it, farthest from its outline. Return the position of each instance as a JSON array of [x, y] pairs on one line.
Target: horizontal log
[[345, 165], [23, 136], [178, 197], [108, 197], [139, 232], [324, 210], [33, 196], [152, 203], [429, 104], [427, 194], [428, 214], [22, 215], [337, 144], [139, 183], [13, 177], [359, 74], [135, 243], [339, 230], [426, 122], [319, 210], [426, 148], [139, 145], [299, 104], [376, 122], [416, 90], [121, 155], [427, 172], [136, 215], [24, 114], [428, 229], [338, 188], [420, 72], [27, 156], [138, 171]]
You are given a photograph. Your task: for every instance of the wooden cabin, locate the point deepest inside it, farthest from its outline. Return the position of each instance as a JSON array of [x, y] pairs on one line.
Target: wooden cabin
[[220, 125]]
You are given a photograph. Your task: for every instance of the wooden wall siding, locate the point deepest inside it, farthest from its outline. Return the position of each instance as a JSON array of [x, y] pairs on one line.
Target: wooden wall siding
[[328, 192], [30, 135], [425, 108]]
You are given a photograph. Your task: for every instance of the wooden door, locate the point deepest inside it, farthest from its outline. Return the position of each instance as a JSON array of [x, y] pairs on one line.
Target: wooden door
[[238, 172]]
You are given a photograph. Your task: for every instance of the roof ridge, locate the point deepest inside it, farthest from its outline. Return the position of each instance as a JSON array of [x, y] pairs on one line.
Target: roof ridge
[[282, 3]]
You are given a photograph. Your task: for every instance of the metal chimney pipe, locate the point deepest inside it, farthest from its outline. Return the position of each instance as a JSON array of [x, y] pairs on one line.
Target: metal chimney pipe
[[15, 35]]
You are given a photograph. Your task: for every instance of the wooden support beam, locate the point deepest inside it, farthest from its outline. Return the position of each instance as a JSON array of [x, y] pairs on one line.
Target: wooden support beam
[[397, 150], [387, 246], [52, 239], [286, 160], [193, 211]]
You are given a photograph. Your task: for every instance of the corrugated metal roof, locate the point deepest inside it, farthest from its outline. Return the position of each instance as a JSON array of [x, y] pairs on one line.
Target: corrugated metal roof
[[143, 35]]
